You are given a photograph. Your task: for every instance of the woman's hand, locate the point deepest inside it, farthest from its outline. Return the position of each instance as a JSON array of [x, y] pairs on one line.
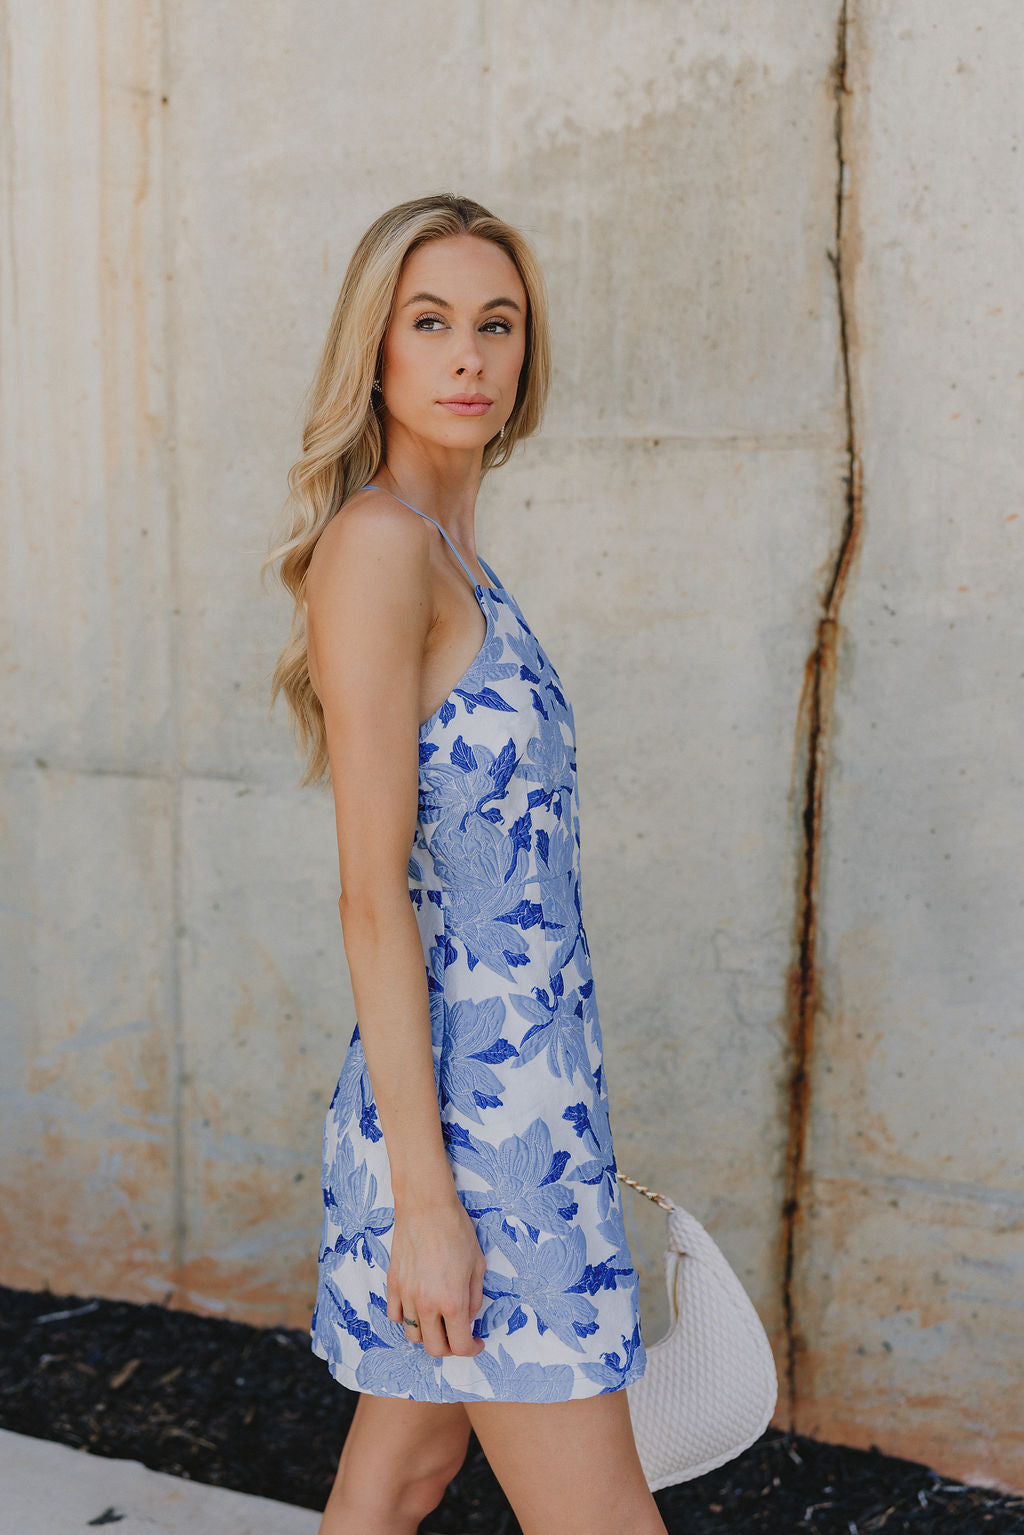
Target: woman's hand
[[436, 1274]]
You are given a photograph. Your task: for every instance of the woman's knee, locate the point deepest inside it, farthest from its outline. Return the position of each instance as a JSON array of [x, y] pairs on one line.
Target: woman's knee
[[426, 1484], [405, 1472]]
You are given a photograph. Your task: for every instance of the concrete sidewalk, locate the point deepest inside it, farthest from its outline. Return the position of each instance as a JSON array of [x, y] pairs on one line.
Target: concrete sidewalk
[[51, 1489]]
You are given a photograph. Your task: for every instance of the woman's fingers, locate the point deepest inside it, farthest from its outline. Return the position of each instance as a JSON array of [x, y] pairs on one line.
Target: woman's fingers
[[476, 1294], [436, 1274], [459, 1326], [394, 1306], [429, 1325], [445, 1332], [432, 1334]]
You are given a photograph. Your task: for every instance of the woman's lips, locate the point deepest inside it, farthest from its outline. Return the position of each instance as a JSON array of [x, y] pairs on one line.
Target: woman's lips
[[467, 407]]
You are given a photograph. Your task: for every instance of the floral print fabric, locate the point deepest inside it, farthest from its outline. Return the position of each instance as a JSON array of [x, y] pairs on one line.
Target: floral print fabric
[[494, 876]]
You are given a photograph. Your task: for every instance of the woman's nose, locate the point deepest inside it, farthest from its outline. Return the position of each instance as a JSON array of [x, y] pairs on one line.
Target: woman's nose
[[467, 355]]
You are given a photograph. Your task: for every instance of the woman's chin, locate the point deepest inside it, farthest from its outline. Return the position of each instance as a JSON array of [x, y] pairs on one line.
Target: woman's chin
[[467, 434]]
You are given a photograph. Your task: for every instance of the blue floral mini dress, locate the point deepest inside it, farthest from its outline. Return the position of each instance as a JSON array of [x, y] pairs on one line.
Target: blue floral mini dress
[[494, 877]]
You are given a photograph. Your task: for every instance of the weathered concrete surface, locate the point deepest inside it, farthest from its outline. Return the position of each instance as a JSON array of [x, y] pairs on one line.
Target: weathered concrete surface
[[266, 1015], [732, 342], [910, 1266], [49, 1487], [909, 1308], [89, 1130], [86, 1050], [90, 674]]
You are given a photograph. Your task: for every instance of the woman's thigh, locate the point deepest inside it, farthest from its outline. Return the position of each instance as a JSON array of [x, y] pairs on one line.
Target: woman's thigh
[[568, 1466]]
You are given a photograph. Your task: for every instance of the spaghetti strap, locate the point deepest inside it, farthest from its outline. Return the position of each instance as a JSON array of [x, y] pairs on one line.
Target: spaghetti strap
[[488, 569], [475, 583]]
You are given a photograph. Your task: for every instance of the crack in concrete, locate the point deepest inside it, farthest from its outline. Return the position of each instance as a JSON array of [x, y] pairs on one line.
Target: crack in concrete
[[814, 727]]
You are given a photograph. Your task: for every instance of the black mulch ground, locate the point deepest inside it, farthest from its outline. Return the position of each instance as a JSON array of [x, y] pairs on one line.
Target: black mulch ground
[[254, 1409]]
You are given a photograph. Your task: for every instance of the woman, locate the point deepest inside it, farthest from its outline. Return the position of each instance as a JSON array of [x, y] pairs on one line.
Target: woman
[[474, 1269]]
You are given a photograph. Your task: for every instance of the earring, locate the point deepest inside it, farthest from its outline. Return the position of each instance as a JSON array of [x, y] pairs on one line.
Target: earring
[[502, 432], [376, 385]]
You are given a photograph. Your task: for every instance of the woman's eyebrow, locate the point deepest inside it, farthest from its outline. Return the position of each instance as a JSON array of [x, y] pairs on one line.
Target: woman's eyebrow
[[432, 298]]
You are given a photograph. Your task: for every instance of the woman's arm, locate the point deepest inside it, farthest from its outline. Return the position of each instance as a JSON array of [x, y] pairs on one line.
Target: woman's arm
[[369, 609]]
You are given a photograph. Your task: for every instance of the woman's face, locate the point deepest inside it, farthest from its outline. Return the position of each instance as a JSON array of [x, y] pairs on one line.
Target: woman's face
[[457, 333]]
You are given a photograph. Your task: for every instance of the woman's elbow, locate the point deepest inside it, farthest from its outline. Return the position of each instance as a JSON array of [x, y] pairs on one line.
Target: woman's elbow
[[373, 907]]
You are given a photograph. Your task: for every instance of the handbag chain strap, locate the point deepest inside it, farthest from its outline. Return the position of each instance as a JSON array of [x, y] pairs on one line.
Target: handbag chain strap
[[652, 1194]]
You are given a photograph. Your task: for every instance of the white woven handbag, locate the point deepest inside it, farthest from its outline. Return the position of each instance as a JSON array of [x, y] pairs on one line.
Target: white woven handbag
[[710, 1386]]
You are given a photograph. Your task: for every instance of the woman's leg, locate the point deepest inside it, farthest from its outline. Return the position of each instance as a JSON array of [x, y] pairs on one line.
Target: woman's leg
[[397, 1460], [568, 1467]]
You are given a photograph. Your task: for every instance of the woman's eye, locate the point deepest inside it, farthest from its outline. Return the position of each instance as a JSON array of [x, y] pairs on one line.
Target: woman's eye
[[432, 321]]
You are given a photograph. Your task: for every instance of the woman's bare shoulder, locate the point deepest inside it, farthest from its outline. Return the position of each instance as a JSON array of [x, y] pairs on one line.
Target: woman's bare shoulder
[[369, 597], [371, 529]]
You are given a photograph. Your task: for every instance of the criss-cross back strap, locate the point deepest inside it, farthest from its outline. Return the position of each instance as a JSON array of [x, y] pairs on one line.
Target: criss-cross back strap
[[371, 486]]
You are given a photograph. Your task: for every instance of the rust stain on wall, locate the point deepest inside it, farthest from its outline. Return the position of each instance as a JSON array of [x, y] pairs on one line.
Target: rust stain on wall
[[240, 1290], [814, 730], [104, 1231], [922, 1430], [903, 1284]]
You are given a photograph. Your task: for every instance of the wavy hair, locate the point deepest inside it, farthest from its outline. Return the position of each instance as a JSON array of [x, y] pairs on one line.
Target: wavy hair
[[343, 434]]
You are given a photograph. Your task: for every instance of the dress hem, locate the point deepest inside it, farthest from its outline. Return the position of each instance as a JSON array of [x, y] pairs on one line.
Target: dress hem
[[343, 1374]]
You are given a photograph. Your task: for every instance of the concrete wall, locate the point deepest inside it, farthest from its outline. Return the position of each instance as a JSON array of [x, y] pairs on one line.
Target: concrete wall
[[909, 1272], [770, 532]]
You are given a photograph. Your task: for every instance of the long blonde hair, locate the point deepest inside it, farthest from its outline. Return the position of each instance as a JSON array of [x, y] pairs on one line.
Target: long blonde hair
[[342, 436]]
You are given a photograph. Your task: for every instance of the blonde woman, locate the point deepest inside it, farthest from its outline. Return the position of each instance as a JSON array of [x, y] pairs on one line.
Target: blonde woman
[[473, 1268]]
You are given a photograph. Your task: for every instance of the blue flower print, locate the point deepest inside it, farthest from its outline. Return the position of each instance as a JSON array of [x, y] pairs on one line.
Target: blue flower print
[[353, 1097], [349, 1196], [522, 1175], [476, 850], [452, 791], [531, 661], [494, 888], [557, 857], [588, 1012], [557, 694], [613, 1229], [600, 1171], [511, 1382], [487, 910], [415, 873], [549, 764], [544, 1279], [395, 1365], [556, 1026], [613, 1372], [333, 1313], [435, 995], [555, 888], [472, 1044], [485, 669], [579, 1116]]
